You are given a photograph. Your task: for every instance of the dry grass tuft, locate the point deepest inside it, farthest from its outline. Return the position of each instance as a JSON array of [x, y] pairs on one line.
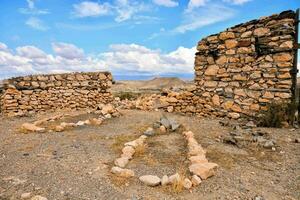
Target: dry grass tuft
[[140, 150], [177, 186], [120, 140]]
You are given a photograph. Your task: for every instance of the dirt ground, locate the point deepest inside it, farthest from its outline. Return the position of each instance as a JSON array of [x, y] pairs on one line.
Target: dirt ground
[[75, 164]]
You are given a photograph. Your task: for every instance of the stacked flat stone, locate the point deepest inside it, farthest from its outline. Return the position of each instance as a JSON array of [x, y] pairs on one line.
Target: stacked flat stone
[[242, 69], [36, 93]]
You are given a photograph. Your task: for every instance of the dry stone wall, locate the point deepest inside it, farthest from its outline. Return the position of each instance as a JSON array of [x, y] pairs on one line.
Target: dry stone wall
[[36, 93], [239, 71]]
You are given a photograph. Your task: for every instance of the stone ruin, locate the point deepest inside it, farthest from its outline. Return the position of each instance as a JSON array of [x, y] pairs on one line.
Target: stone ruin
[[237, 73], [247, 66], [37, 93]]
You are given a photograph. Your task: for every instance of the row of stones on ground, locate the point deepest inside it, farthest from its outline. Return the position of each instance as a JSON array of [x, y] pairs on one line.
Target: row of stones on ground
[[106, 112], [200, 168]]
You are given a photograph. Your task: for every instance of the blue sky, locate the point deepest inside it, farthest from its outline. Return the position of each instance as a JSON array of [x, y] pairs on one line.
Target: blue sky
[[127, 37]]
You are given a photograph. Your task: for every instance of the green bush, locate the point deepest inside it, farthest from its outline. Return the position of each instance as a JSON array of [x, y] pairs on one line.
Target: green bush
[[276, 113]]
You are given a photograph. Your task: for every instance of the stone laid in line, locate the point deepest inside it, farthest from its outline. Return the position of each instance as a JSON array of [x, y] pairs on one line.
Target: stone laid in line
[[127, 154], [200, 168], [199, 163], [150, 180], [106, 112]]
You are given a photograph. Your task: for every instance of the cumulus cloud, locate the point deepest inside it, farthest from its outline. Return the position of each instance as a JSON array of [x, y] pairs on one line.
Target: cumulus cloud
[[203, 16], [30, 52], [91, 9], [237, 2], [37, 24], [68, 51], [124, 59], [166, 3]]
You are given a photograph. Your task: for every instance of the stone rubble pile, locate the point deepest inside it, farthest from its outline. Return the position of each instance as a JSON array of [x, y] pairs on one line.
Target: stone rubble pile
[[31, 94], [246, 134]]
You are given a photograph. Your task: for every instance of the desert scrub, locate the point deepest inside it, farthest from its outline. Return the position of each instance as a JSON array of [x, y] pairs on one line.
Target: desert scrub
[[276, 113], [128, 95]]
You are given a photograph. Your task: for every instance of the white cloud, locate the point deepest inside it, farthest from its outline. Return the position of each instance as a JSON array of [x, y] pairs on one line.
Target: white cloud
[[166, 3], [237, 2], [32, 10], [30, 52], [36, 23], [68, 51], [195, 4], [125, 9], [3, 47], [120, 59], [203, 16], [91, 9], [122, 10]]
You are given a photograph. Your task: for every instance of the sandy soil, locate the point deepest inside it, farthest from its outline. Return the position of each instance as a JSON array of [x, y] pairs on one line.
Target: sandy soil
[[75, 164]]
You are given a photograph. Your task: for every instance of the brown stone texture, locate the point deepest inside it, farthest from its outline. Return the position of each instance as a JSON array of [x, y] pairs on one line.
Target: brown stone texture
[[246, 73], [30, 94]]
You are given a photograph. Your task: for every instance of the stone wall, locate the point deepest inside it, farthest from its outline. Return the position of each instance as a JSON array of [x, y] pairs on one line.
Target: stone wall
[[242, 69], [31, 94]]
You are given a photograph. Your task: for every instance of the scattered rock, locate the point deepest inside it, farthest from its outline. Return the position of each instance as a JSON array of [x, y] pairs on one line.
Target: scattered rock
[[187, 183], [107, 109], [121, 162], [126, 173], [165, 122], [25, 195], [204, 170], [174, 124], [150, 180], [128, 151], [196, 180], [174, 178], [32, 127], [38, 197], [59, 128], [149, 132], [258, 198], [165, 180], [297, 140], [80, 123], [156, 124], [250, 124], [269, 144], [96, 121], [162, 129]]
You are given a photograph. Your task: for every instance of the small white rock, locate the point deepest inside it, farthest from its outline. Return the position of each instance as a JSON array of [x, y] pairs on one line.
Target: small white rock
[[150, 180], [25, 195], [122, 162], [38, 197], [196, 180], [174, 178], [165, 180], [187, 184]]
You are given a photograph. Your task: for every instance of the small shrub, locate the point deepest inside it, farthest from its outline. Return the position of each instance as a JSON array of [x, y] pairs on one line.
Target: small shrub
[[275, 114], [128, 95]]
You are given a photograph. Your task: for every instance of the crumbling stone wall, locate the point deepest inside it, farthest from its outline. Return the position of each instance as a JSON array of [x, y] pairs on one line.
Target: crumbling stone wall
[[242, 69], [36, 93]]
